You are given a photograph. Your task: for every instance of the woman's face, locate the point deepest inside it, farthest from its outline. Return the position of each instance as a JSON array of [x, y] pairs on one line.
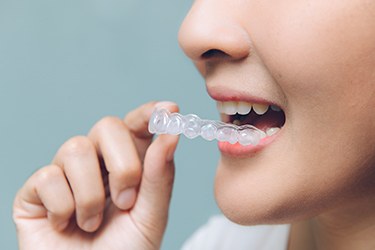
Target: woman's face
[[316, 60]]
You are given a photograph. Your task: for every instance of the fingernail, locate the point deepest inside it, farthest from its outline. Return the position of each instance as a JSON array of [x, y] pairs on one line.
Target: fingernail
[[165, 104], [126, 198], [92, 223]]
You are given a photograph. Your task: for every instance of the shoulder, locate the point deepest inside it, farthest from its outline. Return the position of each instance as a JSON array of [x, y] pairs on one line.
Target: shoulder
[[221, 234]]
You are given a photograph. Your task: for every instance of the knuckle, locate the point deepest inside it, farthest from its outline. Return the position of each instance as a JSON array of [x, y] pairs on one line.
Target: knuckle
[[89, 203], [131, 167], [107, 123], [48, 173], [128, 175], [65, 209], [134, 170], [78, 145], [129, 116]]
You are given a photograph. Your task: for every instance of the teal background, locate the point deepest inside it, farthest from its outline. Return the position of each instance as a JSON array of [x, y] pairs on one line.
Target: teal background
[[65, 64]]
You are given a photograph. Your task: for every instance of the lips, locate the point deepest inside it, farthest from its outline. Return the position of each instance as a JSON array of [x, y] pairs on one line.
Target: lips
[[240, 109], [239, 151]]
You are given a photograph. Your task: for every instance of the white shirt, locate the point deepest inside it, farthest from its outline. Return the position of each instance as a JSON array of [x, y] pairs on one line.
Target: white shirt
[[221, 234]]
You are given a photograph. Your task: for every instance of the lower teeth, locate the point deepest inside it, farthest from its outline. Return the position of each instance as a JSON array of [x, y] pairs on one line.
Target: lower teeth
[[164, 122]]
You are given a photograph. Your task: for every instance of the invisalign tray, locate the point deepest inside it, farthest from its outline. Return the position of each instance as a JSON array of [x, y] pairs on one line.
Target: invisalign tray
[[164, 122]]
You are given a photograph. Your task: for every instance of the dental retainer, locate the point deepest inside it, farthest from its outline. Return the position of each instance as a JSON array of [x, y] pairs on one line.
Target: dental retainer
[[164, 122]]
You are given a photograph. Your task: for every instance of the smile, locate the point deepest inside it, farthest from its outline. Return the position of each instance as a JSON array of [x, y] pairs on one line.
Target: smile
[[268, 118]]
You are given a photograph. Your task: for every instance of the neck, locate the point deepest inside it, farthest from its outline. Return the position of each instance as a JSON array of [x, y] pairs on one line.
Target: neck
[[349, 228]]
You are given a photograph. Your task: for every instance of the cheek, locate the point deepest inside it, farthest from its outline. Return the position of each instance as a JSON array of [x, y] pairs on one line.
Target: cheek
[[323, 57], [316, 48]]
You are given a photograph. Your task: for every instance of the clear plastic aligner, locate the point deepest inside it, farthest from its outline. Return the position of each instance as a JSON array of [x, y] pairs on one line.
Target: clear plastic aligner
[[164, 122]]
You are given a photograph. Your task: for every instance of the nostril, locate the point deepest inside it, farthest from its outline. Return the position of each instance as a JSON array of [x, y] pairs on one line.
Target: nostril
[[214, 53]]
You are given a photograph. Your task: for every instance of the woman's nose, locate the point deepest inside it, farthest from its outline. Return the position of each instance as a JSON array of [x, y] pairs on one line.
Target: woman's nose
[[212, 31]]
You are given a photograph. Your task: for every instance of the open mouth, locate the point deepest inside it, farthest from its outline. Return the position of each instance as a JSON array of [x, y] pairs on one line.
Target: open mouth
[[243, 124], [268, 118]]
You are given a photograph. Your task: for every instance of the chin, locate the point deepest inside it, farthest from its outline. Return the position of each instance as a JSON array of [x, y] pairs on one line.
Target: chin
[[252, 196]]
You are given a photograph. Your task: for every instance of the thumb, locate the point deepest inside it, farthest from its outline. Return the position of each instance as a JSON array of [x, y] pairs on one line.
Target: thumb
[[151, 208]]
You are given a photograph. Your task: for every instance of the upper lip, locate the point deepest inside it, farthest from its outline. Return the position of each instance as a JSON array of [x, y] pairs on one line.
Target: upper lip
[[225, 94]]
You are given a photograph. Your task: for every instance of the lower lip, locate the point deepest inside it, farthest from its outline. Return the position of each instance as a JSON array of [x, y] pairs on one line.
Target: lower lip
[[240, 151]]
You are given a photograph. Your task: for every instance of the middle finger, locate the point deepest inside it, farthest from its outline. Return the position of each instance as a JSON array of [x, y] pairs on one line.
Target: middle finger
[[115, 144]]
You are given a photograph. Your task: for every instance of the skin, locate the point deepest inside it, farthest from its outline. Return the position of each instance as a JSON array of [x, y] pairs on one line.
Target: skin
[[117, 155], [315, 59]]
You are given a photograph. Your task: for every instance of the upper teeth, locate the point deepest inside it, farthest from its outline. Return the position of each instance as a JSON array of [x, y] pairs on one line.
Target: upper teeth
[[243, 108]]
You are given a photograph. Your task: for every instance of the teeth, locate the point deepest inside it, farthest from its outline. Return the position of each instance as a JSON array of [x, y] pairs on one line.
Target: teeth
[[243, 108], [275, 108], [260, 109], [272, 131], [229, 108], [237, 122], [219, 106]]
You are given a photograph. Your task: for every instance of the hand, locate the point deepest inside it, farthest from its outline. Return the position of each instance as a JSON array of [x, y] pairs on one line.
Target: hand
[[108, 190]]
